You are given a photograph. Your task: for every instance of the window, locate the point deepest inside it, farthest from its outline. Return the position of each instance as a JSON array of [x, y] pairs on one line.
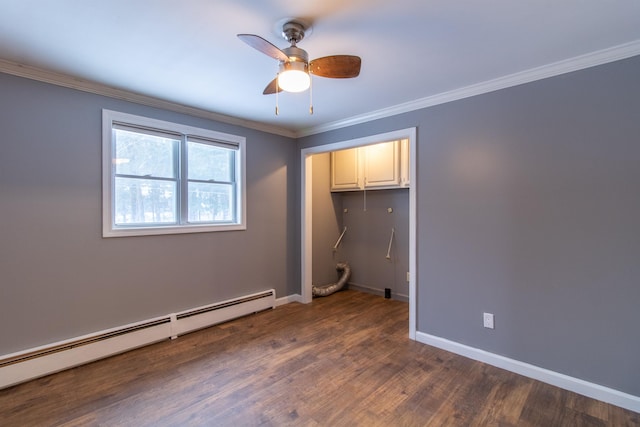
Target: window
[[163, 178]]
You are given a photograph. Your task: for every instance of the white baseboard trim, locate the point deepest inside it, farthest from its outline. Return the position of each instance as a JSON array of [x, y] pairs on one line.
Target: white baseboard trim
[[375, 291], [51, 358], [288, 299], [585, 388]]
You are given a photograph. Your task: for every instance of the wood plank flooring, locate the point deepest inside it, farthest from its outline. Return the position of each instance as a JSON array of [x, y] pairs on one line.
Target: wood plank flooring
[[343, 360]]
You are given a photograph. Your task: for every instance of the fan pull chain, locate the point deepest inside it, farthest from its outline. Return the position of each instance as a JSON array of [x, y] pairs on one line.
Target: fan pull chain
[[310, 95], [277, 90]]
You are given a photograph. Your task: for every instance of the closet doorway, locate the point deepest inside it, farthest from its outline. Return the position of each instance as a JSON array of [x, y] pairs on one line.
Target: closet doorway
[[307, 210]]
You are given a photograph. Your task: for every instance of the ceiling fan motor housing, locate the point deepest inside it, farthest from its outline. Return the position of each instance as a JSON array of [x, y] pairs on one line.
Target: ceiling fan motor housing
[[294, 65], [296, 54]]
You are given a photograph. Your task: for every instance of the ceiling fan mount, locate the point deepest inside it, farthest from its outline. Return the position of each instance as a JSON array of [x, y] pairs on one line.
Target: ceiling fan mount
[[295, 61], [294, 31]]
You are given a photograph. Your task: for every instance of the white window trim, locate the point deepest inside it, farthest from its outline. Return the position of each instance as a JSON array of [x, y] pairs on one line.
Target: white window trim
[[108, 230]]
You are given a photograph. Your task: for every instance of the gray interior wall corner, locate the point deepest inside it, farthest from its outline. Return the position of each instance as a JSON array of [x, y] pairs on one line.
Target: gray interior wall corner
[[61, 279], [326, 222], [528, 207]]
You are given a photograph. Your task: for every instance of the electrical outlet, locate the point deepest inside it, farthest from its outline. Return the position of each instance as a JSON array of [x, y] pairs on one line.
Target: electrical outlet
[[487, 319]]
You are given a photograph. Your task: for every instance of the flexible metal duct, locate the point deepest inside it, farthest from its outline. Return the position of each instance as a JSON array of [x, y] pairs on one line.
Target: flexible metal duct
[[325, 290]]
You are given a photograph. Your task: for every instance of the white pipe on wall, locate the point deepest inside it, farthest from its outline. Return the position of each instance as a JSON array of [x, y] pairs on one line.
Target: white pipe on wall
[[335, 247], [393, 232]]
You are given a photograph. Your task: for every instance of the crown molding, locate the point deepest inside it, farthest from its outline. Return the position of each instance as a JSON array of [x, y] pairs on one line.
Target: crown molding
[[592, 59], [46, 76], [588, 60]]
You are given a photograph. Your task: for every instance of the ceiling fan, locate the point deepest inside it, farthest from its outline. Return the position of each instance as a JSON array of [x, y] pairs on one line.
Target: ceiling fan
[[295, 67]]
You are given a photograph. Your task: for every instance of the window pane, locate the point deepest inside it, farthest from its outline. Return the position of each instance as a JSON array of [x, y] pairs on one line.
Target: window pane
[[144, 201], [144, 155], [209, 162], [210, 202]]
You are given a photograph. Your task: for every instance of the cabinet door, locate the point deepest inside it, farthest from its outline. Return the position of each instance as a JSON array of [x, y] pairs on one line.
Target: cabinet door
[[382, 165], [345, 170]]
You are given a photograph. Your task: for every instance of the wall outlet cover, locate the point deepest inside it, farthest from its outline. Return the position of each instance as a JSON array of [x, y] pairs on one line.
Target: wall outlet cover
[[487, 320]]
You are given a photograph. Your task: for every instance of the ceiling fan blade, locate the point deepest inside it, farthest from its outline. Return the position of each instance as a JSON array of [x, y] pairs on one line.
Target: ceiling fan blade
[[263, 46], [336, 66], [272, 87]]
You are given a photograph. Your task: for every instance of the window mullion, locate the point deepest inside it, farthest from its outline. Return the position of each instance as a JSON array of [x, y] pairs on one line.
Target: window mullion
[[183, 173], [237, 206]]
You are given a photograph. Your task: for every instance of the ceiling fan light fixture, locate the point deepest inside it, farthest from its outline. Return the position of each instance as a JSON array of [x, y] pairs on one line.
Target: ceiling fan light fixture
[[295, 68], [294, 77]]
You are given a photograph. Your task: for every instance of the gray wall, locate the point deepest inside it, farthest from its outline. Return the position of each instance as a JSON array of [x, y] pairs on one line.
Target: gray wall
[[528, 205], [326, 223], [367, 240], [59, 278]]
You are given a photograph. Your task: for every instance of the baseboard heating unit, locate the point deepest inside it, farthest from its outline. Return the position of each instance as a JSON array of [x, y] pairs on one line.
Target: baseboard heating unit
[[48, 359]]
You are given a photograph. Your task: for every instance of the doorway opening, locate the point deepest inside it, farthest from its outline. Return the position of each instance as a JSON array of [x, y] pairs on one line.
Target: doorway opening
[[307, 211]]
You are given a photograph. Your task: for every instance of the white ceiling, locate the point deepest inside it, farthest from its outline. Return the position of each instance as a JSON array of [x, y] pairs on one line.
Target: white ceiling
[[187, 51]]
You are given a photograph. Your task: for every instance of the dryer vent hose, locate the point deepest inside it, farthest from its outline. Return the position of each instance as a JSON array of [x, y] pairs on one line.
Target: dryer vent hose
[[325, 290]]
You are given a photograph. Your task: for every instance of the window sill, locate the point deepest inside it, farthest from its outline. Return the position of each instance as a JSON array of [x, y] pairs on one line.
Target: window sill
[[172, 229]]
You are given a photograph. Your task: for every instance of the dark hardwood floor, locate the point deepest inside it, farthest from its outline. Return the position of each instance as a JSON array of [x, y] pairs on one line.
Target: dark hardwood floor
[[342, 360]]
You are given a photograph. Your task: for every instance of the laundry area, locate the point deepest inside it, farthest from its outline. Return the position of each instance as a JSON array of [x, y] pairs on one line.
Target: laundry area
[[361, 220]]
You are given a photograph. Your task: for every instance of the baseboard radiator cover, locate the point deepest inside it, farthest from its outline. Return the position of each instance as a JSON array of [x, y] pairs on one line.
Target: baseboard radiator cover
[[37, 362]]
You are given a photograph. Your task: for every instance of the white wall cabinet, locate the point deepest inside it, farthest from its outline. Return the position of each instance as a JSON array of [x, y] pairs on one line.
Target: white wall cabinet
[[345, 170], [378, 166], [381, 165]]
